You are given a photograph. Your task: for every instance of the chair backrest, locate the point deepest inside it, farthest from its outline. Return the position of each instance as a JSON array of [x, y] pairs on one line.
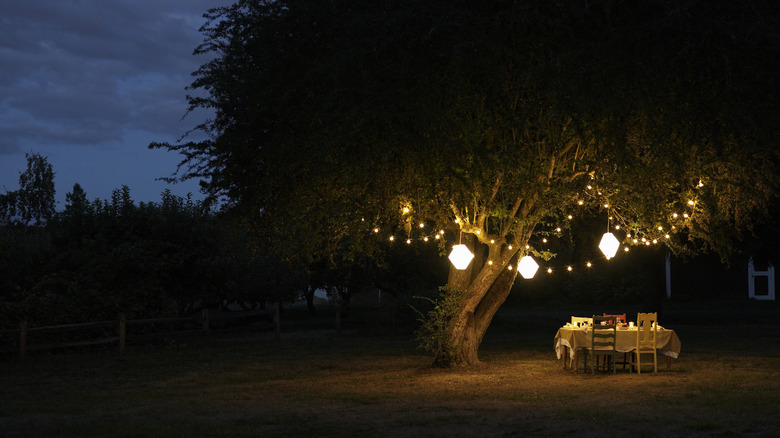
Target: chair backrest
[[621, 317], [646, 329], [579, 320], [604, 332]]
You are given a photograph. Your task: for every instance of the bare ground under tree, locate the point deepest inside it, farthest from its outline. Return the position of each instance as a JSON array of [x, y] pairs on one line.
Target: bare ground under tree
[[319, 382]]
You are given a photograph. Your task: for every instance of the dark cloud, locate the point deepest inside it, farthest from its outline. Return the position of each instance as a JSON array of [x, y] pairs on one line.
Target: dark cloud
[[88, 72]]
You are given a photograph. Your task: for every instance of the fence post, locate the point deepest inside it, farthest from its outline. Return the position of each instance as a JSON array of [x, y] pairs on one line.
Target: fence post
[[22, 338], [338, 314], [205, 313], [277, 322], [122, 333]]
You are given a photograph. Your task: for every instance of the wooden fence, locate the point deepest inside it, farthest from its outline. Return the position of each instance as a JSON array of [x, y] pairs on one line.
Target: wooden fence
[[24, 333]]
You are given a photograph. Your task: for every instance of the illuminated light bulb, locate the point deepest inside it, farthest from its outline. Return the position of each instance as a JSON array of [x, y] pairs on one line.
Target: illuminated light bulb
[[589, 264], [544, 240], [655, 240], [478, 232], [362, 219], [690, 202], [376, 230], [660, 228], [580, 202], [509, 267], [392, 238], [666, 236], [408, 240], [635, 241], [617, 227], [569, 217], [644, 240], [527, 246], [437, 237], [558, 229], [422, 225], [609, 245], [492, 240], [701, 184], [626, 249], [549, 270], [674, 215], [510, 247], [425, 239], [606, 205], [527, 267], [590, 187], [460, 256], [685, 215], [673, 227], [441, 232], [647, 243], [569, 268], [490, 262]]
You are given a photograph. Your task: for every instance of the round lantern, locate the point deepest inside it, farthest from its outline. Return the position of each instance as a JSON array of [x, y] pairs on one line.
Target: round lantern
[[609, 245], [461, 256], [527, 267]]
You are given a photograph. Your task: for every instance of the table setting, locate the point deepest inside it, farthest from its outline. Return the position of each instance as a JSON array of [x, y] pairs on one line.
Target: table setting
[[574, 337]]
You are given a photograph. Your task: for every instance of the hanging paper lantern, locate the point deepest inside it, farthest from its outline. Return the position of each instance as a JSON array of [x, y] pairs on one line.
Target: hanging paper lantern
[[609, 245], [527, 267], [461, 256]]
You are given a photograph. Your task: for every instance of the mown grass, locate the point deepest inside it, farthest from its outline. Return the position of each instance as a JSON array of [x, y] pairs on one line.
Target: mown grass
[[328, 384]]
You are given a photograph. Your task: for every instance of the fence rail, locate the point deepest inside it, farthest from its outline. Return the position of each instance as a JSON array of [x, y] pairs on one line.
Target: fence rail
[[24, 332]]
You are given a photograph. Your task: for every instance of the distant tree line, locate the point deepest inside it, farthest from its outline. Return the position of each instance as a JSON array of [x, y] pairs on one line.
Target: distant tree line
[[96, 258]]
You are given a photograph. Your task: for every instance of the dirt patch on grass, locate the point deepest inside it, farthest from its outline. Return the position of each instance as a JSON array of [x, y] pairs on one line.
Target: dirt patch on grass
[[350, 383]]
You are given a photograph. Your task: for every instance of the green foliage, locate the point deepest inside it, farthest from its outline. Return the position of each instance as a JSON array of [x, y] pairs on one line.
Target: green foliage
[[96, 259], [330, 115], [34, 201], [489, 119], [433, 332]]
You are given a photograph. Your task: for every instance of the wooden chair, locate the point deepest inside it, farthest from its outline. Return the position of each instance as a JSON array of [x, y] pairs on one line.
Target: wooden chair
[[578, 321], [646, 331], [602, 343]]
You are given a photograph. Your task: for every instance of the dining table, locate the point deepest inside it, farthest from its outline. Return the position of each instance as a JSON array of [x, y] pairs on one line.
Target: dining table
[[570, 340]]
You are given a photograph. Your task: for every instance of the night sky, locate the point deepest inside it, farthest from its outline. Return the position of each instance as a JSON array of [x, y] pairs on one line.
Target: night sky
[[90, 83]]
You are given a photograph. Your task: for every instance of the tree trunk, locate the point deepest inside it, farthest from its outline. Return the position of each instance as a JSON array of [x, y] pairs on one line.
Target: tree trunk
[[484, 293], [310, 301]]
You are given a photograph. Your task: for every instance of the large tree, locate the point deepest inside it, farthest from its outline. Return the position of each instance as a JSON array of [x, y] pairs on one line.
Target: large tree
[[494, 121]]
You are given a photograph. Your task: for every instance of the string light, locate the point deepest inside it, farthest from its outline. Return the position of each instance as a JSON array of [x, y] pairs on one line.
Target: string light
[[646, 240]]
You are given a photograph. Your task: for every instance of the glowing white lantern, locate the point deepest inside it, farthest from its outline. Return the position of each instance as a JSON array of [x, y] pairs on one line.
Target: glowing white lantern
[[527, 267], [609, 245], [461, 256]]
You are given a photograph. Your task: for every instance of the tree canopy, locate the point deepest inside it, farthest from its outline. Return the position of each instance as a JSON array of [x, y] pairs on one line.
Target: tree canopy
[[494, 121]]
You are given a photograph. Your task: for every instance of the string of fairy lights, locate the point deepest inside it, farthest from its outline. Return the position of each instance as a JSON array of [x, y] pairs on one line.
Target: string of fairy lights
[[527, 266]]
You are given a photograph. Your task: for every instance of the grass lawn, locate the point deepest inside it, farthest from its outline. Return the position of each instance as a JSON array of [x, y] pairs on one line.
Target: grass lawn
[[321, 383]]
